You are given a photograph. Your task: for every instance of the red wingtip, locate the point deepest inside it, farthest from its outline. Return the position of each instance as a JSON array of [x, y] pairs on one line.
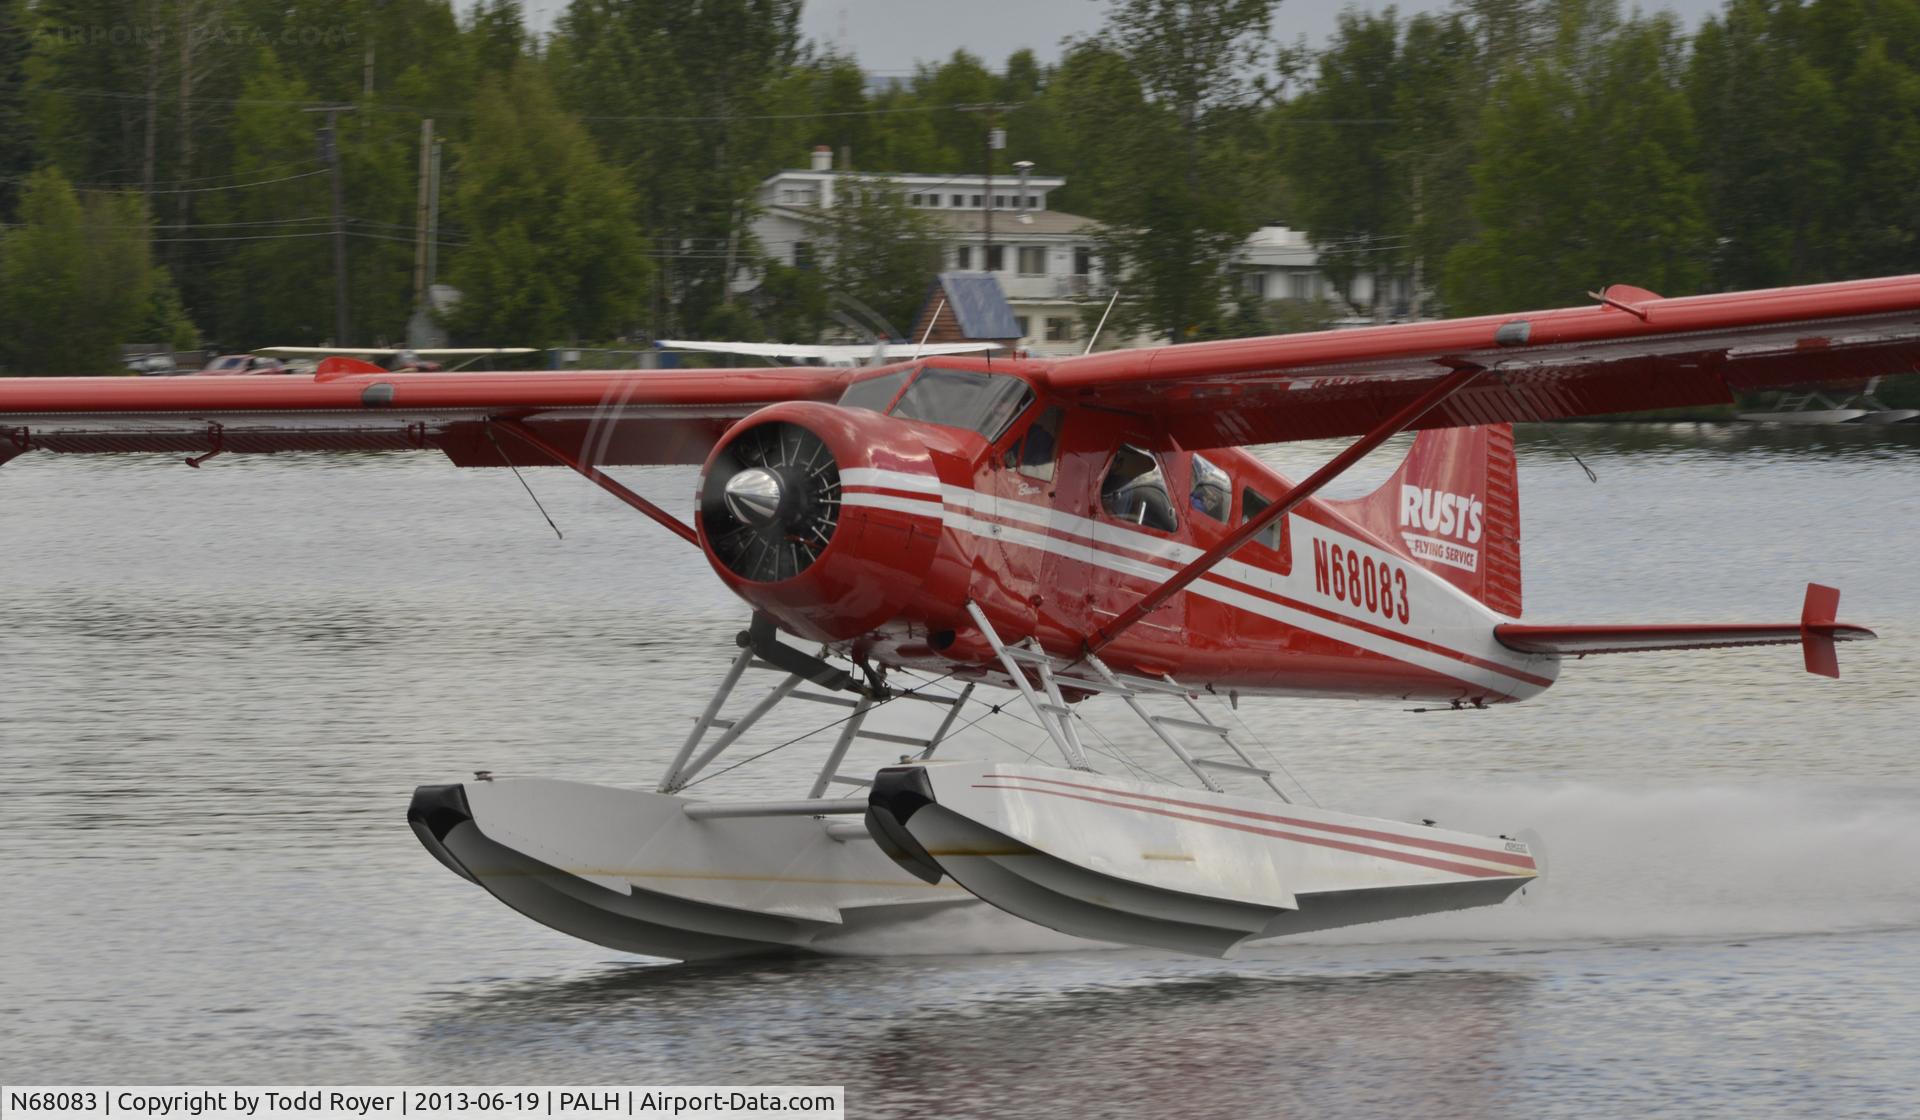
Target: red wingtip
[[340, 366], [1817, 616]]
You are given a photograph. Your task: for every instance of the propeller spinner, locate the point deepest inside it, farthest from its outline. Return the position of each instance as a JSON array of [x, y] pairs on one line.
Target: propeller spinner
[[771, 515]]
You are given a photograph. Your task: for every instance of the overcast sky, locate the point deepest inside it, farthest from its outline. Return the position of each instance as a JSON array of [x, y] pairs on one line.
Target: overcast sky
[[889, 36]]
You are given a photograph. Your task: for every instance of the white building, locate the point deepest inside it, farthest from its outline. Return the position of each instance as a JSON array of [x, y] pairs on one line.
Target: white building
[[1044, 259], [1282, 263]]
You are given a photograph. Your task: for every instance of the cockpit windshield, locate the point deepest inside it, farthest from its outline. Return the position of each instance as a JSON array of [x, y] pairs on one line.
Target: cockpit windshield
[[875, 393], [959, 398]]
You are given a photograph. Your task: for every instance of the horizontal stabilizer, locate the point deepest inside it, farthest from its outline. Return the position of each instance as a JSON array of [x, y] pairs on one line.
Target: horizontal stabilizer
[[1816, 632]]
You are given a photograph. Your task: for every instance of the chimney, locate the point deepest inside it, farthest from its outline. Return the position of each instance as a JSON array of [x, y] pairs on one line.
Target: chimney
[[822, 158]]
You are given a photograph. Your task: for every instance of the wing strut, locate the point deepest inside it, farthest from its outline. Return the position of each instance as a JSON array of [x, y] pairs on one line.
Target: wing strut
[[1462, 375], [601, 479]]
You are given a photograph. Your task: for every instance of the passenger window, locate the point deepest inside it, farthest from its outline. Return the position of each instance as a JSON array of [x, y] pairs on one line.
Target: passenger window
[[1136, 491], [875, 393], [1274, 535], [1037, 449], [1211, 492]]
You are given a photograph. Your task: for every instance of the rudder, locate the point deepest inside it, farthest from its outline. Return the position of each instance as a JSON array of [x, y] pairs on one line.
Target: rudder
[[1453, 507]]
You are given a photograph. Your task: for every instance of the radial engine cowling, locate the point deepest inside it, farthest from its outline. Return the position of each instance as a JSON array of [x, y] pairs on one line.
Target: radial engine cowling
[[826, 518]]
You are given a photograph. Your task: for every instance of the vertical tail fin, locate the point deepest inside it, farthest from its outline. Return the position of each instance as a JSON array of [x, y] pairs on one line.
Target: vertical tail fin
[[1817, 628], [1454, 507]]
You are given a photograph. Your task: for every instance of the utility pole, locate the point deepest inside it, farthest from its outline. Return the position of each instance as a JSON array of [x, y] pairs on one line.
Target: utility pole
[[996, 139], [330, 151], [433, 221], [423, 216]]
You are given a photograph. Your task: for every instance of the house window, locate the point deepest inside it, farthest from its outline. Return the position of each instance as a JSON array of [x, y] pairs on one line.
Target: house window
[[1032, 202], [1082, 260], [963, 257], [1033, 260], [1297, 285], [1255, 284], [976, 200], [957, 200], [1021, 322], [999, 202], [803, 254], [1059, 328], [996, 258]]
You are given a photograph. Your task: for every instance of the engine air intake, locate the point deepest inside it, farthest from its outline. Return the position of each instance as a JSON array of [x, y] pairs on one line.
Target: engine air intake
[[770, 504]]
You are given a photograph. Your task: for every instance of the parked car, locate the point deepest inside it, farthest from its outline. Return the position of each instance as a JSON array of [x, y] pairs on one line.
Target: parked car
[[154, 365], [243, 365]]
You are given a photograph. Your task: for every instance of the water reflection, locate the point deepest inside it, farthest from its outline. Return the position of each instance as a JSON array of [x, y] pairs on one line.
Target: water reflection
[[1037, 1035], [1743, 441]]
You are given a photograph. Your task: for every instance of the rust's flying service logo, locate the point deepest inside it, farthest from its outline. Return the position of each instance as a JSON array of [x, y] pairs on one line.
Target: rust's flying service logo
[[1442, 527]]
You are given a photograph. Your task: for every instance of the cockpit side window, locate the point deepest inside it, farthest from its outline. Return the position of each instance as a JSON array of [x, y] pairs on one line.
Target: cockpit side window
[[1039, 448], [875, 393], [965, 399], [1135, 490], [1211, 491]]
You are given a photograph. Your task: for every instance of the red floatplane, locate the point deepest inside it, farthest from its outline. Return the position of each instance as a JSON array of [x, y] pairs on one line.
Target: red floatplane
[[1079, 531]]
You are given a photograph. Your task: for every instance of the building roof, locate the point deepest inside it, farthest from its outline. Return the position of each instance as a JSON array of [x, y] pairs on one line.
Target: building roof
[[976, 300], [913, 179], [1007, 225]]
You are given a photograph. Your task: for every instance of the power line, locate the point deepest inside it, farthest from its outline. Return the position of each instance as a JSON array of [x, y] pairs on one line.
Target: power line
[[270, 169], [410, 110], [135, 187]]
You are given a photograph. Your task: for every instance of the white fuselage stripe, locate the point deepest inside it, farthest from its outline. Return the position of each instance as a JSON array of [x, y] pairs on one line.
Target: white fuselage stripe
[[1098, 542]]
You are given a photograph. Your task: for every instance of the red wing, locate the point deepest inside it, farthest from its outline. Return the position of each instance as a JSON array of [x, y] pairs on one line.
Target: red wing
[[606, 417], [1638, 353]]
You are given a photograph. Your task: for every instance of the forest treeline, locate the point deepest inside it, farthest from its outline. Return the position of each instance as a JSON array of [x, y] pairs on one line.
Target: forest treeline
[[162, 176]]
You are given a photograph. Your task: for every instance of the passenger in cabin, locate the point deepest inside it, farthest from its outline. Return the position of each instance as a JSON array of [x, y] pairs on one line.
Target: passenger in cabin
[[1135, 490]]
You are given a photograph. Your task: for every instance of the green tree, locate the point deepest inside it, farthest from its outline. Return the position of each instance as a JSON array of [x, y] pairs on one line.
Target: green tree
[[880, 251], [1585, 177], [99, 94], [1158, 105], [76, 279], [273, 285], [1880, 149], [553, 253], [498, 34], [1354, 193], [789, 304], [17, 148], [679, 93], [1767, 116]]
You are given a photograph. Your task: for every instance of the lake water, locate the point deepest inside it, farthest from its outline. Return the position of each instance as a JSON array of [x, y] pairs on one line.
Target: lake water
[[218, 688]]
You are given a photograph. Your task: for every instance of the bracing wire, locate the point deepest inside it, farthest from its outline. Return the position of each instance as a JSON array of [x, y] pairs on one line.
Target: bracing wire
[[1272, 757], [880, 703], [505, 458]]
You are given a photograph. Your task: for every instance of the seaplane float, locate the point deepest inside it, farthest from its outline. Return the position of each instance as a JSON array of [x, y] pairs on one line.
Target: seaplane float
[[952, 534]]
